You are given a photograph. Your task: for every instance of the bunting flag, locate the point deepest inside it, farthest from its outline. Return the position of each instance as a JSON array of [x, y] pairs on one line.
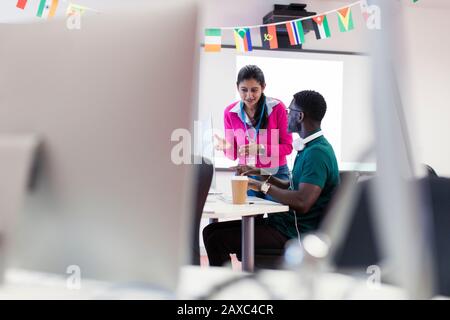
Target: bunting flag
[[21, 4], [345, 20], [295, 28], [321, 27], [269, 37], [295, 32], [364, 9], [47, 9], [77, 9], [243, 40], [213, 40]]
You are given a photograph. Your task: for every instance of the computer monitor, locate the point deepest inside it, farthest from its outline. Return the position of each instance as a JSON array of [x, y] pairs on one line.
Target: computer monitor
[[105, 101], [205, 146], [209, 150]]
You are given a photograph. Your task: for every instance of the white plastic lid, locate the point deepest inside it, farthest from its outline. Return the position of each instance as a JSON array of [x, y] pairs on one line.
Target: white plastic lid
[[240, 178]]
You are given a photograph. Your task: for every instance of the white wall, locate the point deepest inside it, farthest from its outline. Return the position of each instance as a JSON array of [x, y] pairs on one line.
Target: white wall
[[427, 49], [424, 65], [425, 77], [344, 80], [230, 13], [217, 74], [10, 14]]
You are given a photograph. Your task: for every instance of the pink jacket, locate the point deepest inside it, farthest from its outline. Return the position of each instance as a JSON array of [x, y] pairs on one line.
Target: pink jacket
[[276, 138]]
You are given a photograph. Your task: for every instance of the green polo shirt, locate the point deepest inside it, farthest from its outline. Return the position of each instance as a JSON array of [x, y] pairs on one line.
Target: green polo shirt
[[315, 164]]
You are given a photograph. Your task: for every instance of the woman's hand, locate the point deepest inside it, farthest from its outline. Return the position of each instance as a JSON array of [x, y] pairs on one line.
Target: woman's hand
[[248, 149], [251, 149], [254, 184], [222, 144]]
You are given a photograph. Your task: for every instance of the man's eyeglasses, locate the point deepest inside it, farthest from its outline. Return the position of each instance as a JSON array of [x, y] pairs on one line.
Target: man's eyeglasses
[[293, 109]]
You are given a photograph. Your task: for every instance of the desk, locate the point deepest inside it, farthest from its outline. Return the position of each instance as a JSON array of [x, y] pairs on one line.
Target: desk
[[216, 208], [283, 285], [195, 282]]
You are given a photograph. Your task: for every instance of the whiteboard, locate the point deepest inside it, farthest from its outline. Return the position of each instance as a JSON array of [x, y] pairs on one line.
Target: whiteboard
[[343, 80]]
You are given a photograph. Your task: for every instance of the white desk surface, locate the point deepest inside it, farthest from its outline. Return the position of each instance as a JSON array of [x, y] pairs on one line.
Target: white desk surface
[[195, 282], [282, 284], [216, 208]]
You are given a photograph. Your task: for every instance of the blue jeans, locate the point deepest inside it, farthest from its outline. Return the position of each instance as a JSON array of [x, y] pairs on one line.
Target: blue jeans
[[282, 173]]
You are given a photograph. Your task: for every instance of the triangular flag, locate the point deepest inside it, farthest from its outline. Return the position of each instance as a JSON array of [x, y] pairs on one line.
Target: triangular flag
[[243, 40], [47, 8], [77, 9], [269, 37], [345, 20], [321, 27], [295, 32], [364, 9], [213, 40], [21, 4]]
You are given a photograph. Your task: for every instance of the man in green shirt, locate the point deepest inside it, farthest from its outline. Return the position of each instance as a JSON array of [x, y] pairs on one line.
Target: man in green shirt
[[315, 177], [315, 174]]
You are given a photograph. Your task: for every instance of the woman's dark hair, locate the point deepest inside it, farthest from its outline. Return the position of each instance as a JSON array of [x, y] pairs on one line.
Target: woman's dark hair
[[250, 72]]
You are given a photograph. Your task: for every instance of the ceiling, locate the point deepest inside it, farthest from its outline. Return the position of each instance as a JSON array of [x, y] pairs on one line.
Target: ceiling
[[9, 13]]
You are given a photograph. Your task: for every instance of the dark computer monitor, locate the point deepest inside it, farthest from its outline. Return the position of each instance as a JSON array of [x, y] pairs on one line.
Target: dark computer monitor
[[105, 101]]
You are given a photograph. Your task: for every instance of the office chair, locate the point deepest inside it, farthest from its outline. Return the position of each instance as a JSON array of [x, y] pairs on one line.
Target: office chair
[[360, 249], [439, 190], [430, 171], [273, 258], [203, 174]]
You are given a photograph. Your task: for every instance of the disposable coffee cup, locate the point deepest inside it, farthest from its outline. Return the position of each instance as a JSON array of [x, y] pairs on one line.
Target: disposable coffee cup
[[239, 189]]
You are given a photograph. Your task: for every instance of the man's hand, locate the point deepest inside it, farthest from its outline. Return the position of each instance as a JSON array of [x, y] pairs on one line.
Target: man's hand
[[245, 170], [254, 184]]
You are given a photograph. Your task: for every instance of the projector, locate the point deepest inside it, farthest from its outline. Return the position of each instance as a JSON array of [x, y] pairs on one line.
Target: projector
[[288, 12]]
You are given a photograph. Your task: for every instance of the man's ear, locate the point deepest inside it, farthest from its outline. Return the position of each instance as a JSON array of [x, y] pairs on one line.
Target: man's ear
[[301, 117]]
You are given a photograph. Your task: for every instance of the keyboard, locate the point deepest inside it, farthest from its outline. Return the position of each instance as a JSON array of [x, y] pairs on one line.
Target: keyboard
[[213, 191]]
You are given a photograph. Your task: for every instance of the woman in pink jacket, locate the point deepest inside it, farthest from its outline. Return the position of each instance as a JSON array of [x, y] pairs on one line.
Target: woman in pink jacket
[[256, 128]]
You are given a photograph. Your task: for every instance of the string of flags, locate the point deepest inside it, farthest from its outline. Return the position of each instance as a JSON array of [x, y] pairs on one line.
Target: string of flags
[[47, 8], [295, 28], [269, 39]]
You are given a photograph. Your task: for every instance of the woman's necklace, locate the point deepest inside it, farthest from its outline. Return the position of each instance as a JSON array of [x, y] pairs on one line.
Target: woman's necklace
[[251, 116], [253, 121], [257, 126]]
